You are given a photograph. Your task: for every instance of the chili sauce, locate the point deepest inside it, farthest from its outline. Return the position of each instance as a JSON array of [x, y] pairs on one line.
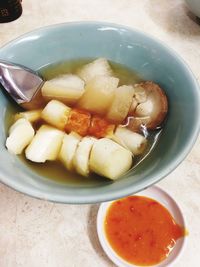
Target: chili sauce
[[141, 230]]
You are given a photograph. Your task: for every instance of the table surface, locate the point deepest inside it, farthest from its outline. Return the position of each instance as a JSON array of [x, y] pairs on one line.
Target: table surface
[[35, 233]]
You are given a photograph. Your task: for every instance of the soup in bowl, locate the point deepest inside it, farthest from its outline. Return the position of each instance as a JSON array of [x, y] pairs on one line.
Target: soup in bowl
[[135, 58]]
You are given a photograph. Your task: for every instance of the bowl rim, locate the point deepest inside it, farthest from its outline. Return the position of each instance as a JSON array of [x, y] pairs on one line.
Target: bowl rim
[[170, 204], [108, 196]]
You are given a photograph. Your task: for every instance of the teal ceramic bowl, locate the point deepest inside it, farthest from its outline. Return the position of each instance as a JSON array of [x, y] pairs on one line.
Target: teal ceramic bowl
[[152, 60]]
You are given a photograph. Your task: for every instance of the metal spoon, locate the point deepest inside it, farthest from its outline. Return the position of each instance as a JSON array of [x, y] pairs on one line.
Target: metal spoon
[[20, 82]]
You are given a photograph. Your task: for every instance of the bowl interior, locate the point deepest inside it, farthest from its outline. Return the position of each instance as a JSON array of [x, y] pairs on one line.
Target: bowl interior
[[149, 58]]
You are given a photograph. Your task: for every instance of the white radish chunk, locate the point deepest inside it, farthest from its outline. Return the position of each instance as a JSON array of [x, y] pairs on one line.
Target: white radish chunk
[[20, 135], [68, 149], [31, 116], [45, 145], [67, 88], [109, 159], [135, 142], [81, 157], [56, 113], [121, 103], [99, 67], [99, 93]]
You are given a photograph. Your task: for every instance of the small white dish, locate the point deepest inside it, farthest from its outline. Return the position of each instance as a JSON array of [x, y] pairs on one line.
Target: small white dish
[[168, 202]]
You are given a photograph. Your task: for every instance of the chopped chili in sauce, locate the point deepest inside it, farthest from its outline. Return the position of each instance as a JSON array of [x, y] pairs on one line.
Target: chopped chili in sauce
[[141, 231]]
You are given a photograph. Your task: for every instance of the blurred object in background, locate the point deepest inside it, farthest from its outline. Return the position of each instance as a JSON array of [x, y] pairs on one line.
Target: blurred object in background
[[194, 6], [10, 10]]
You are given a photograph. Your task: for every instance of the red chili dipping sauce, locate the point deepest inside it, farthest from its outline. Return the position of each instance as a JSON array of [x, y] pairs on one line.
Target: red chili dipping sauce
[[141, 231]]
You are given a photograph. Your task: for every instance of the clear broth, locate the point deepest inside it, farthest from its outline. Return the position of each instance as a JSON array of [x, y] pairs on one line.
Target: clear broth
[[55, 170]]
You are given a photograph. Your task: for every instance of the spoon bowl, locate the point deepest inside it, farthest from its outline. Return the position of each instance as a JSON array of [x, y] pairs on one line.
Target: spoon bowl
[[20, 82]]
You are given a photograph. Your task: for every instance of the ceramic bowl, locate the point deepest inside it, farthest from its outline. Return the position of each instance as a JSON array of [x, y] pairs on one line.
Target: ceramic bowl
[[194, 6], [136, 50]]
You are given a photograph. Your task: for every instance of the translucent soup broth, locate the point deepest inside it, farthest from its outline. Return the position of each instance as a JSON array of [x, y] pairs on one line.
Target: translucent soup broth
[[55, 170]]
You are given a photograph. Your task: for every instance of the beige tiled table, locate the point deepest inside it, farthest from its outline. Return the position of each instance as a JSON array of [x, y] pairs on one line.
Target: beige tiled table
[[36, 233]]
